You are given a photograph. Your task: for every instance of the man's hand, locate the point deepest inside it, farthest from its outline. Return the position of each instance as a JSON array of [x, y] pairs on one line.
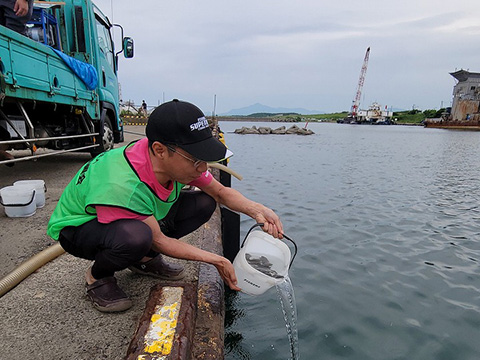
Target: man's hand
[[181, 250], [227, 272], [21, 8], [271, 222], [235, 201]]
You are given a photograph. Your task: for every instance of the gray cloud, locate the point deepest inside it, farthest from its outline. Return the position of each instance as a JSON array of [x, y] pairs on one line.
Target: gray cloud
[[305, 53]]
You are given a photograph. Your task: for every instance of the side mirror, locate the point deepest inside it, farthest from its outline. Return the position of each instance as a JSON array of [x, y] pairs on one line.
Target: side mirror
[[128, 47]]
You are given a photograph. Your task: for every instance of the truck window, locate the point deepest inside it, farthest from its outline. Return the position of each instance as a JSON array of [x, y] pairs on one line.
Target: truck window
[[105, 42]]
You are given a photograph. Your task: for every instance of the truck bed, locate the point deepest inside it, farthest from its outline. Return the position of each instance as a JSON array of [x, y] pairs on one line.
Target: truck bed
[[30, 70]]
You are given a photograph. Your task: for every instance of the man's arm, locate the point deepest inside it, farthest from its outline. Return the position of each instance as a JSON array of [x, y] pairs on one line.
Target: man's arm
[[235, 201], [181, 250]]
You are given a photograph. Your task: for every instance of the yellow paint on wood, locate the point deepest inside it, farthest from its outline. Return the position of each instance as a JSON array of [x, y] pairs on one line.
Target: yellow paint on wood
[[163, 322]]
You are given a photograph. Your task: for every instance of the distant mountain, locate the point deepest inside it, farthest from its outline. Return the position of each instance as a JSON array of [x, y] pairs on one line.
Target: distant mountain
[[260, 108]]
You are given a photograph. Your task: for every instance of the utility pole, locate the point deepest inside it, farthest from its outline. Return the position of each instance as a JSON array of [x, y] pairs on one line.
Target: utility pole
[[214, 117]]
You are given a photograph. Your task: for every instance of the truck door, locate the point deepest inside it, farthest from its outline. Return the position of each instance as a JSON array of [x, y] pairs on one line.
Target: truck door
[[108, 82]]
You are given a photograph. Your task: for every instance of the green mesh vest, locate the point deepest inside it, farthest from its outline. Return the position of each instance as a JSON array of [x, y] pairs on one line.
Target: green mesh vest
[[107, 180]]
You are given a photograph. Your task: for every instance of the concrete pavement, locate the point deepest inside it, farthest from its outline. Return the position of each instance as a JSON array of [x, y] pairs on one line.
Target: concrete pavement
[[48, 316]]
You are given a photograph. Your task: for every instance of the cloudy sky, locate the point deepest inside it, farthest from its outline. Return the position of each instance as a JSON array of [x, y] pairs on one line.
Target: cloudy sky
[[296, 53]]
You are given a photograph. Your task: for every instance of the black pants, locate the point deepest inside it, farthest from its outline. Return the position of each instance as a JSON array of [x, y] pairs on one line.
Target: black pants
[[12, 21], [121, 243]]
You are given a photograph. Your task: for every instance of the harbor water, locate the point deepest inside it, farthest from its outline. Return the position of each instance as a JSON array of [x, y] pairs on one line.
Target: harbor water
[[387, 223]]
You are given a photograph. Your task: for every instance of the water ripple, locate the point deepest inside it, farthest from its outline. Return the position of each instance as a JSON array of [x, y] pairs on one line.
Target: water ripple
[[387, 220]]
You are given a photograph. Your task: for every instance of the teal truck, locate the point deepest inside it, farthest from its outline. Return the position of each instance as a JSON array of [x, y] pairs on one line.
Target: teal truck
[[58, 84]]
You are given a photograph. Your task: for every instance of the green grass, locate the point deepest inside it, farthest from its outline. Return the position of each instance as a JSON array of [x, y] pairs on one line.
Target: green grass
[[415, 117], [326, 117], [406, 117]]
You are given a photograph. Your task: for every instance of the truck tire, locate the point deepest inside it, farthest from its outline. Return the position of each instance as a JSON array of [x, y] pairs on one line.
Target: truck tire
[[107, 142]]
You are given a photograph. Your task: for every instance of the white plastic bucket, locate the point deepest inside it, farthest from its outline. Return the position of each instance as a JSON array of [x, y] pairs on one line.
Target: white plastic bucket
[[18, 201], [261, 251], [39, 186]]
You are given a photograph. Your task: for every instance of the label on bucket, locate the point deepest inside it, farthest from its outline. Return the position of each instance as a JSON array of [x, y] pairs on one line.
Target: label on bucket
[[263, 265]]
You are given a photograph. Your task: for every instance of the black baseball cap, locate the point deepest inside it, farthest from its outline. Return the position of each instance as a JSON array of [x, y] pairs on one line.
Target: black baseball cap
[[184, 125]]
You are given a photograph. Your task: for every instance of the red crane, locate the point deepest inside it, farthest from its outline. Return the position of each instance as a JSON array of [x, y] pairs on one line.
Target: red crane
[[356, 101]]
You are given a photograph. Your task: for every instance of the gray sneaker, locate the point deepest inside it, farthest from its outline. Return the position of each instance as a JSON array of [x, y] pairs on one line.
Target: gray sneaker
[[159, 268]]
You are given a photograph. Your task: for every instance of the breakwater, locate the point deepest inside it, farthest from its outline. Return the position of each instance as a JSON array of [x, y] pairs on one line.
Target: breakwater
[[282, 130]]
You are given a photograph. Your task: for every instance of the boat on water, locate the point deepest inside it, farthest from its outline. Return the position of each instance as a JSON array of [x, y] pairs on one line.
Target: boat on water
[[465, 111], [451, 124], [375, 115]]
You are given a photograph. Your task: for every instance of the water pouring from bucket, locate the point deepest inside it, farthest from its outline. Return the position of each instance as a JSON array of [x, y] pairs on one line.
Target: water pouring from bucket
[[262, 261]]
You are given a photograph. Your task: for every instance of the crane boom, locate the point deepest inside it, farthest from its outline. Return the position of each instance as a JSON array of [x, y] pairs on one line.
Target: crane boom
[[361, 80]]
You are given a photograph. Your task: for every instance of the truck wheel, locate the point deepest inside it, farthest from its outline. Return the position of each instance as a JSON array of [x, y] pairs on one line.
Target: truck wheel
[[107, 139]]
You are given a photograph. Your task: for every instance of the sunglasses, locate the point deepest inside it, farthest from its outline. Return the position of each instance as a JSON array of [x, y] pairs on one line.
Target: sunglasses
[[196, 162]]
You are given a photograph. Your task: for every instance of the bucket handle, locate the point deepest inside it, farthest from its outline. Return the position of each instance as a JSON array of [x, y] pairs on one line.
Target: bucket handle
[[285, 236], [18, 205]]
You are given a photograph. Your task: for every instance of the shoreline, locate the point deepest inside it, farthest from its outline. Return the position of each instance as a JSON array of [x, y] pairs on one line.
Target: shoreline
[[258, 119]]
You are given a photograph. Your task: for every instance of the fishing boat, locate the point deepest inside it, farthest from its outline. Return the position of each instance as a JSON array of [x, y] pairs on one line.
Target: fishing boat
[[375, 115]]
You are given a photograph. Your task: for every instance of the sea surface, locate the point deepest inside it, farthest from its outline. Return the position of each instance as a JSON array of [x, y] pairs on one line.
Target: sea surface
[[387, 223]]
